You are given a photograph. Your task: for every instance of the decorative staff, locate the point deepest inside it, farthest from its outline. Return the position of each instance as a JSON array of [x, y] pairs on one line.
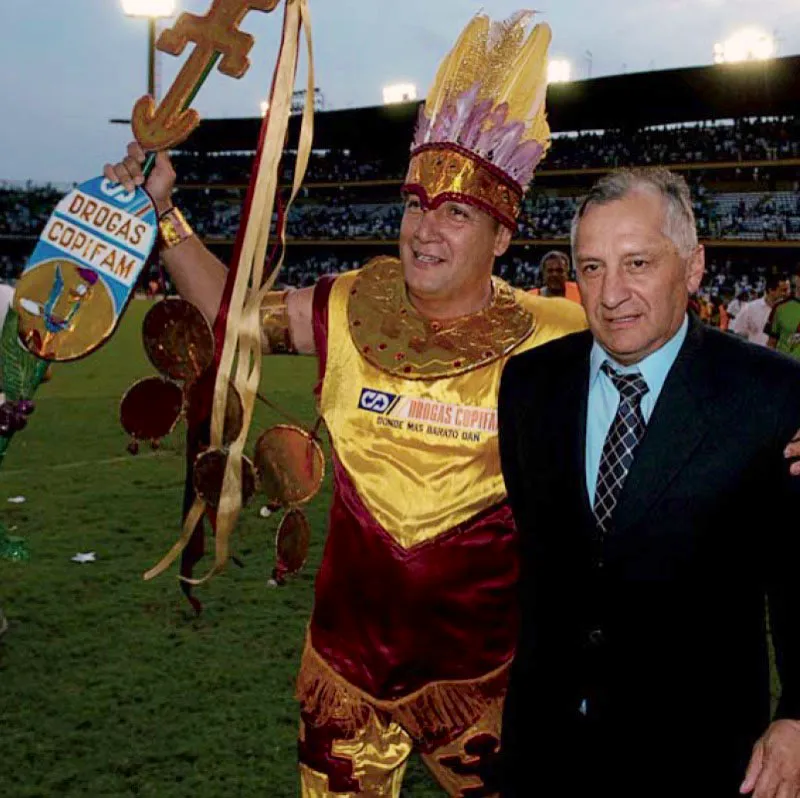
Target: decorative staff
[[215, 34], [86, 264], [89, 256], [222, 475]]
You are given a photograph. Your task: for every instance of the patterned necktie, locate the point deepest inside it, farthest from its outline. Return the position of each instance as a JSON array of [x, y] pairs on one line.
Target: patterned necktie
[[623, 437]]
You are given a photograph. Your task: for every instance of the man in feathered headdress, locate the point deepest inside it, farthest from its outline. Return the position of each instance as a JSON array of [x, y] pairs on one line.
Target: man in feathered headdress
[[414, 623]]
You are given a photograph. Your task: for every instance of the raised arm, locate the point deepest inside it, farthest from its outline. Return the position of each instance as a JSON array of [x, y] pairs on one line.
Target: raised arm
[[198, 275]]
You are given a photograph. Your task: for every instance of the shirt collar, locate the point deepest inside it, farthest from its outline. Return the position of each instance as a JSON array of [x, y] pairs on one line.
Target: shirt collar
[[654, 368]]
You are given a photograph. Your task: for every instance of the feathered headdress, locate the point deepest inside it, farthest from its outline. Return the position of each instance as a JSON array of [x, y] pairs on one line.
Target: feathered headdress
[[483, 130]]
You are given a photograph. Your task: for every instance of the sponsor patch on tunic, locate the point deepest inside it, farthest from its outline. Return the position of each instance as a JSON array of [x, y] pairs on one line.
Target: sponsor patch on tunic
[[429, 417]]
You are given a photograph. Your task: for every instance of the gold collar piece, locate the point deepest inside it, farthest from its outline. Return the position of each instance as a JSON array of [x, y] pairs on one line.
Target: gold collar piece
[[393, 337]]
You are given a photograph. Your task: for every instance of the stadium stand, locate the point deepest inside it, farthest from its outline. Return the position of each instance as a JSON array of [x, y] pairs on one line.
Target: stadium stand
[[730, 129]]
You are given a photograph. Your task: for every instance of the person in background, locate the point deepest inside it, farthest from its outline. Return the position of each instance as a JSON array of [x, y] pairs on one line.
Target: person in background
[[719, 315], [783, 326], [554, 269], [735, 305], [753, 316]]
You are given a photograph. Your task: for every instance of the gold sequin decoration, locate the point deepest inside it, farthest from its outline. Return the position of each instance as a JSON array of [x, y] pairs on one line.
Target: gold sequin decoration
[[82, 313], [394, 338], [462, 66], [504, 43], [275, 323], [509, 70], [444, 170]]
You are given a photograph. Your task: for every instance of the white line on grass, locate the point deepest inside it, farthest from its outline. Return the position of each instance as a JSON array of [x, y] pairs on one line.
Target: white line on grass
[[83, 463]]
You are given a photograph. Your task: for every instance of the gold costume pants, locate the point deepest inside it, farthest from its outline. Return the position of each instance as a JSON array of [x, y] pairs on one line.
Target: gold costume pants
[[371, 762]]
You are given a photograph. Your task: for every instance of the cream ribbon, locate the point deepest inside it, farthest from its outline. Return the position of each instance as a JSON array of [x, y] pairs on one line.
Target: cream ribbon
[[241, 352]]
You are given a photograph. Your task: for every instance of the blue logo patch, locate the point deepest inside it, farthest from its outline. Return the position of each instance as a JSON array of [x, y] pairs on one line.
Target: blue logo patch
[[375, 401]]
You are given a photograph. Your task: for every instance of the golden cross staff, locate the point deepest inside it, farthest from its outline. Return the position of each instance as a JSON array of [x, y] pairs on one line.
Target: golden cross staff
[[215, 34], [240, 358]]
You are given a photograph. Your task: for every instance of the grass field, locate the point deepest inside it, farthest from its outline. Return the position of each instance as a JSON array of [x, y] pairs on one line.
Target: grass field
[[109, 686]]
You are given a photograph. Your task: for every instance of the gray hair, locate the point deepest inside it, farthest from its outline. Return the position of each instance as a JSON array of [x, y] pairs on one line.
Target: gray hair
[[679, 222], [554, 254]]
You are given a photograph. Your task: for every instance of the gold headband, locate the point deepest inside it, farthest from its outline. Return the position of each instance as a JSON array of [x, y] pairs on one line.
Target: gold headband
[[441, 172]]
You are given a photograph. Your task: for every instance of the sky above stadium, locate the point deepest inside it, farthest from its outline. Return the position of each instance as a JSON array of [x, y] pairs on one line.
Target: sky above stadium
[[69, 66]]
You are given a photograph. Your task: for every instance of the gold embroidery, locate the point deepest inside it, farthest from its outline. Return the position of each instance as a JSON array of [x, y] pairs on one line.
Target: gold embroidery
[[450, 172], [275, 323], [394, 338]]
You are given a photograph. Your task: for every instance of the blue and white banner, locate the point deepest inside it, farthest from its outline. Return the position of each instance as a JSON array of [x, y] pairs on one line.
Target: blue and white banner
[[84, 269]]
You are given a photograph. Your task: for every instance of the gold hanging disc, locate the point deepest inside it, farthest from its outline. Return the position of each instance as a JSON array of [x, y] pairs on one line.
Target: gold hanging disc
[[209, 471], [290, 465], [178, 339], [150, 408]]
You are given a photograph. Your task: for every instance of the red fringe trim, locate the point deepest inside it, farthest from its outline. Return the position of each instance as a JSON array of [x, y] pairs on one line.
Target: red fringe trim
[[440, 710]]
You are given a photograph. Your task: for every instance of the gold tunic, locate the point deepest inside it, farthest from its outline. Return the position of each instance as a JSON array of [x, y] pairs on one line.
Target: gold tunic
[[411, 405]]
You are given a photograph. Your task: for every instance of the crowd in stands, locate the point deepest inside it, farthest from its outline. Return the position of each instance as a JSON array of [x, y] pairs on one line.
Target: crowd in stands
[[301, 271], [743, 140], [324, 167], [746, 209], [709, 142], [350, 221], [545, 216], [10, 267], [25, 209], [212, 214], [751, 215], [731, 215]]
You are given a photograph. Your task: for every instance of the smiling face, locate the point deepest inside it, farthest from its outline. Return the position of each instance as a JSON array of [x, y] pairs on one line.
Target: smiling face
[[555, 275], [634, 283], [447, 255]]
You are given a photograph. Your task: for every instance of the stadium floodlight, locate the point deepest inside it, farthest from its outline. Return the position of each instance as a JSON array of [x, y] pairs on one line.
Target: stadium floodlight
[[748, 44], [559, 70], [152, 10], [399, 93]]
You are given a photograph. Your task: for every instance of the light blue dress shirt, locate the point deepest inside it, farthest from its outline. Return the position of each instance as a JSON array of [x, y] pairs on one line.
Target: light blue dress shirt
[[604, 397]]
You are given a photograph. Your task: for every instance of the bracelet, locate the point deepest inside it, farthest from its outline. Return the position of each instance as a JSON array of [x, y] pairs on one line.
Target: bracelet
[[174, 228], [275, 323]]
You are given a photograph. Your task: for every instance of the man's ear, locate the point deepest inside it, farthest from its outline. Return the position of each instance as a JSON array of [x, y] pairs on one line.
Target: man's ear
[[502, 240], [695, 269]]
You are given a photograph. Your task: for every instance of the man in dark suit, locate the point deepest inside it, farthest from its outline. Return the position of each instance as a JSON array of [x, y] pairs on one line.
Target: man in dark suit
[[642, 667]]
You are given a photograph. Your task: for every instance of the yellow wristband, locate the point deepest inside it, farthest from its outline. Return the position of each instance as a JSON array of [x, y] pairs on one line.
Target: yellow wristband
[[275, 323], [174, 228]]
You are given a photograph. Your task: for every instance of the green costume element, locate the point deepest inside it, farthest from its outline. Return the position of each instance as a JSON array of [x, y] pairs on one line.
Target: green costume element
[[784, 324], [20, 376]]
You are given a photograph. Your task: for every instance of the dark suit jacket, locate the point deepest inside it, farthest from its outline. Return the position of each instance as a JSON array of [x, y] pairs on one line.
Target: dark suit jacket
[[661, 626]]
